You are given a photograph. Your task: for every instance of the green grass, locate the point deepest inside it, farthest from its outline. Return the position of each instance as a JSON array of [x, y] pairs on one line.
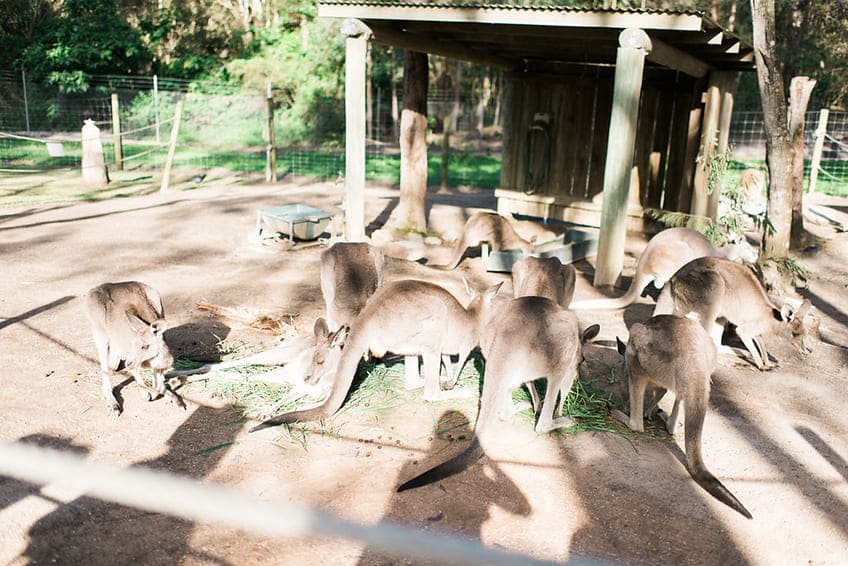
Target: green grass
[[378, 390], [824, 184], [30, 176]]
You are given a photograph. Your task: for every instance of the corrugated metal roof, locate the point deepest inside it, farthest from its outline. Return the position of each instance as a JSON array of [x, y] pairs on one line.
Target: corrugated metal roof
[[508, 6], [507, 35]]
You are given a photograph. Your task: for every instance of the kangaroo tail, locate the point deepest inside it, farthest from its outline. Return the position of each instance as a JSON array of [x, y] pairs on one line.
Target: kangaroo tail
[[446, 469], [715, 488], [625, 300], [458, 254]]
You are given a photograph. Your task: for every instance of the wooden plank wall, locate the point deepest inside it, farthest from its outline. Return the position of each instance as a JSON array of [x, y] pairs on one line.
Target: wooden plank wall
[[579, 103]]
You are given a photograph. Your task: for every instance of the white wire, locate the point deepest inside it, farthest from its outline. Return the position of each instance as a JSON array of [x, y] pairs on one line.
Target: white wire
[[161, 492]]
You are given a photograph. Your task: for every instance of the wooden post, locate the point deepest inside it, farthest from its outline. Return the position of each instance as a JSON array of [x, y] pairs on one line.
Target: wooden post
[[116, 132], [629, 64], [709, 145], [271, 148], [356, 48], [726, 81], [94, 172], [172, 146], [821, 130]]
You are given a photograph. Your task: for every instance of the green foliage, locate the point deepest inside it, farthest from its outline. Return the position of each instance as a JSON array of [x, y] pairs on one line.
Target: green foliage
[[88, 37], [305, 67]]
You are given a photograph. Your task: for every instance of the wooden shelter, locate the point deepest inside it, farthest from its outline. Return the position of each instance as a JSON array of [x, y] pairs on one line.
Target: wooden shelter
[[609, 111]]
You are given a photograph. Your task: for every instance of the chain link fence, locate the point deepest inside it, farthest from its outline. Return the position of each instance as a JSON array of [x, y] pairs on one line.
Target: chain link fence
[[748, 143], [225, 129]]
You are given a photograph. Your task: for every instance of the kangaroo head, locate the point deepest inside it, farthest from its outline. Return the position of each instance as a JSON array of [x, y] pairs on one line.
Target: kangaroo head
[[325, 352], [740, 250], [148, 347], [804, 327]]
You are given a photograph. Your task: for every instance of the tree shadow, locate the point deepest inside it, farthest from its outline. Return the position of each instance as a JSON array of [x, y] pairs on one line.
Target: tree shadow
[[36, 311], [793, 473], [827, 452], [91, 531], [459, 505]]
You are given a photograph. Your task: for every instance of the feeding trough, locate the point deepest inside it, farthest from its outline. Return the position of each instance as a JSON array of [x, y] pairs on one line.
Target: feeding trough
[[293, 220], [568, 247]]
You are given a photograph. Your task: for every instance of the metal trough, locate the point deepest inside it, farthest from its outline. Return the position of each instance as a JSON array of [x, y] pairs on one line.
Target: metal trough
[[568, 247], [294, 220]]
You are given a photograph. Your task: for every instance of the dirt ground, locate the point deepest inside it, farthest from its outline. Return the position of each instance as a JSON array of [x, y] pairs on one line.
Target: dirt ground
[[778, 439]]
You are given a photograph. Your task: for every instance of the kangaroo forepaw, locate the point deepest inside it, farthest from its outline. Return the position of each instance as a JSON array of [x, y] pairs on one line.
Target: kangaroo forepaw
[[559, 422], [620, 416]]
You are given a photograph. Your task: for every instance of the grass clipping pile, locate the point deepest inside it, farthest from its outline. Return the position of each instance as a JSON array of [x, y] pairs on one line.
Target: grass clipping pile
[[378, 389]]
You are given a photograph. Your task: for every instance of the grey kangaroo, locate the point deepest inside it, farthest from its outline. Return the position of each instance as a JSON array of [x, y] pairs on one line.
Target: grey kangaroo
[[406, 317], [128, 324], [350, 273], [715, 289], [300, 360], [544, 277], [489, 227], [667, 252], [672, 353], [527, 338]]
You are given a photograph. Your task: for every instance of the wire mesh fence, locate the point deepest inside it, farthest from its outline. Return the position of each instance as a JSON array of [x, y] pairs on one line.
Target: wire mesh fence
[[748, 143], [224, 128]]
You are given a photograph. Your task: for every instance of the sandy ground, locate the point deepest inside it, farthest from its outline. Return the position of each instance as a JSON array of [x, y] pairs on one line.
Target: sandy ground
[[776, 439]]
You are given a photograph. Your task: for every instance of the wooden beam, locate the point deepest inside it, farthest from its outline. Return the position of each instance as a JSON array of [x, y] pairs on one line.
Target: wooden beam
[[673, 58], [389, 35], [629, 66], [356, 47], [515, 15]]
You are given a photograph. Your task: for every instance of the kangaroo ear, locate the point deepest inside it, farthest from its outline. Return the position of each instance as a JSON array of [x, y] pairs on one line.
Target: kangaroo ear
[[620, 346], [158, 327], [321, 329], [468, 288], [136, 323], [337, 338], [492, 291], [590, 333], [786, 313]]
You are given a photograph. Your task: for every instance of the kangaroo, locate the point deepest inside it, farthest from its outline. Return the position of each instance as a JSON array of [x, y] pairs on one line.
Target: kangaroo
[[128, 324], [350, 273], [711, 288], [674, 354], [528, 338], [410, 318], [544, 277], [491, 227], [665, 253], [301, 360]]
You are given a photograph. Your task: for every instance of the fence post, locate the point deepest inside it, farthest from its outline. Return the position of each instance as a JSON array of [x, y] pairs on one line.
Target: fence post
[[271, 149], [26, 100], [116, 132], [172, 146], [94, 172], [156, 105], [821, 129]]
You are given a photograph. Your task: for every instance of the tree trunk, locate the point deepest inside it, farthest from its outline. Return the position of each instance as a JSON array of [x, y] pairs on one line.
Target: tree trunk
[[483, 103], [413, 145], [800, 89], [778, 142]]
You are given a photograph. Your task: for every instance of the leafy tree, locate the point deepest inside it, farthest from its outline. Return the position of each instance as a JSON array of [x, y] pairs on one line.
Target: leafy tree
[[88, 37], [305, 65], [19, 20]]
